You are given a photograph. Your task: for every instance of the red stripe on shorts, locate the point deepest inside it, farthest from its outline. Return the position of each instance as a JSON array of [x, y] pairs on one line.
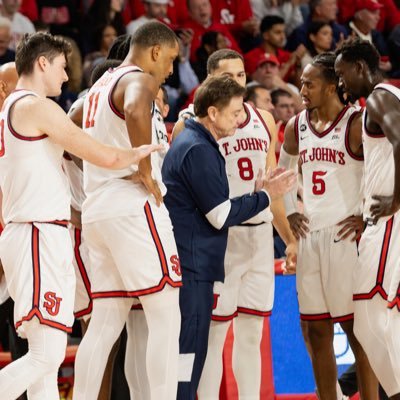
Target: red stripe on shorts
[[315, 317], [251, 311], [156, 238], [36, 266]]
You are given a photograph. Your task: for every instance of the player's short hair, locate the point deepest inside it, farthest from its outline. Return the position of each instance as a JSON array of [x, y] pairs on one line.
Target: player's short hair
[[356, 49], [269, 21], [120, 48], [99, 70], [33, 46], [251, 92], [219, 55], [326, 63], [217, 92], [154, 33], [277, 93]]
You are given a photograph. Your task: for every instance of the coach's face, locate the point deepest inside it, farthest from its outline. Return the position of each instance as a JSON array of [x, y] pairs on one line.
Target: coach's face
[[350, 77], [226, 120], [164, 59]]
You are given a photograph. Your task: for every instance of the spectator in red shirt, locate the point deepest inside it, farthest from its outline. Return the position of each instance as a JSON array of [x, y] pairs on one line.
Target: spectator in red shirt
[[273, 40], [200, 21], [389, 14], [176, 12], [237, 15]]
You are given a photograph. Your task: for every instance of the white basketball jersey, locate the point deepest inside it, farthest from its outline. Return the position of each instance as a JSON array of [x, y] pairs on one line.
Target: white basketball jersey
[[32, 180], [75, 179], [379, 162], [108, 195], [332, 174], [245, 154]]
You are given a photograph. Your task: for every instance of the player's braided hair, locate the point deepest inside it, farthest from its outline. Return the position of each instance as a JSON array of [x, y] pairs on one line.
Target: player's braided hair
[[326, 63], [356, 49]]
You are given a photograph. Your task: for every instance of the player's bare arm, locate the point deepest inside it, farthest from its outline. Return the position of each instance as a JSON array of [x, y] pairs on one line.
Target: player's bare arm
[[353, 225], [46, 117], [178, 128], [298, 222], [383, 116], [280, 221], [133, 96]]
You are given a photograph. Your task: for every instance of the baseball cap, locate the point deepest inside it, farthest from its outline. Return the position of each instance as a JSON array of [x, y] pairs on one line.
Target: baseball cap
[[371, 5], [255, 60]]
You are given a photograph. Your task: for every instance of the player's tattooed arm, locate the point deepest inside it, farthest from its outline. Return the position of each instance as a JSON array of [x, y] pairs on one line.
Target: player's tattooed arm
[[280, 221], [383, 116], [289, 155]]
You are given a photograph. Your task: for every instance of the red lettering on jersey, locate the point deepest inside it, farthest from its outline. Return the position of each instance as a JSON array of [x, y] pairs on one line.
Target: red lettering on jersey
[[176, 265], [250, 144], [52, 303], [225, 146], [322, 154]]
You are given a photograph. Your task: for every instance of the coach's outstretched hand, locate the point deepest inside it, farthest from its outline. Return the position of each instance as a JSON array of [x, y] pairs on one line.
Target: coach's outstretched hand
[[279, 181]]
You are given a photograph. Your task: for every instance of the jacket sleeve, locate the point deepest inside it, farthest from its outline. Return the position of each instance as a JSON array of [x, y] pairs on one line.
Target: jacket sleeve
[[203, 172]]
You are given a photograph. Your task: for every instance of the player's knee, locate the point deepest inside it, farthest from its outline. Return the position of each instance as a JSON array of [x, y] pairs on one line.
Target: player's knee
[[320, 331], [48, 359]]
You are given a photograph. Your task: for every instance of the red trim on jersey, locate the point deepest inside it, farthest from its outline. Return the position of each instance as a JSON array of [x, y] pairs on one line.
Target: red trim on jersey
[[343, 318], [110, 102], [136, 307], [378, 288], [36, 313], [347, 137], [83, 272], [224, 318], [156, 239], [14, 132], [36, 267], [246, 121], [137, 293], [315, 317], [379, 135], [326, 131], [394, 303], [296, 128], [251, 311], [263, 122]]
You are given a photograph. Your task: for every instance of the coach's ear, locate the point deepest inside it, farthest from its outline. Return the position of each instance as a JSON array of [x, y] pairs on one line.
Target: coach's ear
[[212, 113]]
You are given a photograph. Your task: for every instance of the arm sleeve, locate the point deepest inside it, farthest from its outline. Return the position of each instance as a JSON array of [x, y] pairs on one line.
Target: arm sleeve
[[204, 175]]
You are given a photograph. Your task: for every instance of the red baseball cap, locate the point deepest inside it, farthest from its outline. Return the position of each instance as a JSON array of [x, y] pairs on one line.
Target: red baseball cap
[[371, 5], [255, 60]]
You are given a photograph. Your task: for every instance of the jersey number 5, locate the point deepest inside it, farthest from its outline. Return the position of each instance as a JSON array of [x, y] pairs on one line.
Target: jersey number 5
[[318, 182], [93, 100], [245, 169]]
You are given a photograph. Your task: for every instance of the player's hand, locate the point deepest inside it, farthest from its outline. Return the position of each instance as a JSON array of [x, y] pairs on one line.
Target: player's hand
[[289, 267], [152, 187], [259, 183], [141, 152], [383, 207], [353, 225], [298, 224], [279, 181]]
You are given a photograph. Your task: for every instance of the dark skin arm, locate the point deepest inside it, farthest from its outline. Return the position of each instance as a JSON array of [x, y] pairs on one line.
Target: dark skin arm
[[354, 224], [133, 96], [298, 222], [384, 116]]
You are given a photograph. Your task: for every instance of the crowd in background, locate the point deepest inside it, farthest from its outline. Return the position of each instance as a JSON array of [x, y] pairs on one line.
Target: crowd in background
[[277, 37]]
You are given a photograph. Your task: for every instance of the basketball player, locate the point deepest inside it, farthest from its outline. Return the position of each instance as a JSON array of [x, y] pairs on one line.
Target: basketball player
[[129, 234], [246, 296], [35, 246], [326, 136], [377, 277]]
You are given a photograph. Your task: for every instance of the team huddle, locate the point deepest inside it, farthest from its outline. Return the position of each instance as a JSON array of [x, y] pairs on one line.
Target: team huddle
[[177, 239]]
